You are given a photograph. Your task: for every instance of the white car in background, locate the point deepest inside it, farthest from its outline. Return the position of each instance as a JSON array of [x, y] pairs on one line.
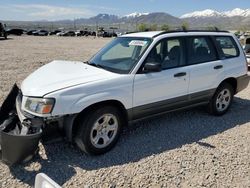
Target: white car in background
[[60, 33], [246, 48]]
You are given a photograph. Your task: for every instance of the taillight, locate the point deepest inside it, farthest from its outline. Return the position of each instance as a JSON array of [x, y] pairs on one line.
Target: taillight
[[247, 64], [247, 60]]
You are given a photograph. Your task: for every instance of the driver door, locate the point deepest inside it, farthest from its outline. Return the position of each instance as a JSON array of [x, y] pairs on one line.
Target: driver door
[[156, 92]]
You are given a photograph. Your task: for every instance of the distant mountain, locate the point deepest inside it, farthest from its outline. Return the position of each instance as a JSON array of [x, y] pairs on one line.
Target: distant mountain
[[204, 13], [135, 14], [158, 18], [99, 19], [150, 18], [237, 12], [235, 18], [213, 13]]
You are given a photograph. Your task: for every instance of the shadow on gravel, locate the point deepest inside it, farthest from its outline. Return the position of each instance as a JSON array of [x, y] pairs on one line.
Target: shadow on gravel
[[138, 141], [6, 39]]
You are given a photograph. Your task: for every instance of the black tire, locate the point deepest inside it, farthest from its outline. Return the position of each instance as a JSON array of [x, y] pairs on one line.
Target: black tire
[[5, 35], [83, 138], [217, 109]]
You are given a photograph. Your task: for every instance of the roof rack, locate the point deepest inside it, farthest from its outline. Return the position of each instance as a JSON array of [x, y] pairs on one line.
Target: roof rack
[[183, 29]]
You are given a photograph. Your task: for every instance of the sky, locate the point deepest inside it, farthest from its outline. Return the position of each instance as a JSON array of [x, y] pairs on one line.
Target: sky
[[29, 10]]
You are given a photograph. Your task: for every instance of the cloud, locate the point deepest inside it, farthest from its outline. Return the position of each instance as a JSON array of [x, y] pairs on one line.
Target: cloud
[[31, 12], [40, 11]]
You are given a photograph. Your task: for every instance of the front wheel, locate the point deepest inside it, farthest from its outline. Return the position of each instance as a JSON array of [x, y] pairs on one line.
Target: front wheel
[[99, 130], [221, 100]]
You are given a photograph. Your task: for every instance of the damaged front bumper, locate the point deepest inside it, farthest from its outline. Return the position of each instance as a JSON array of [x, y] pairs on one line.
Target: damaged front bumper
[[19, 135]]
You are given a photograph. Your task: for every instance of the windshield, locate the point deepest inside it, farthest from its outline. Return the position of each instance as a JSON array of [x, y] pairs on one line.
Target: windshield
[[121, 55]]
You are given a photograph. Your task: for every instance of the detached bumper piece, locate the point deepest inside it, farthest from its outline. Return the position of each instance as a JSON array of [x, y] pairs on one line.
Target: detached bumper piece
[[18, 143]]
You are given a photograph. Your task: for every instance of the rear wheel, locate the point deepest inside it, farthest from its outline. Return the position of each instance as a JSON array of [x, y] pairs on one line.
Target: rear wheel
[[221, 100], [99, 130]]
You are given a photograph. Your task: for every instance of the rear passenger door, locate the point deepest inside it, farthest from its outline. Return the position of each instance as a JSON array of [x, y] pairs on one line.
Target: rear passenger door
[[234, 64], [205, 67]]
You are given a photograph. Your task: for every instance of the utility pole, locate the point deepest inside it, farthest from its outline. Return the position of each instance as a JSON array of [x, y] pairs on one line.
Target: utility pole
[[74, 24], [96, 28]]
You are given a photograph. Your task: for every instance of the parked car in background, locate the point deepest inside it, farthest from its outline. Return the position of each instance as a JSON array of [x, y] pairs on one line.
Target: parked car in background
[[246, 47], [55, 32], [17, 32], [60, 33], [79, 33], [118, 34], [41, 33], [3, 32], [30, 32], [69, 34], [87, 33]]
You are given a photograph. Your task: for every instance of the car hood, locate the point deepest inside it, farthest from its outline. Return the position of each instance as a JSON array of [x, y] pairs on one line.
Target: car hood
[[58, 75]]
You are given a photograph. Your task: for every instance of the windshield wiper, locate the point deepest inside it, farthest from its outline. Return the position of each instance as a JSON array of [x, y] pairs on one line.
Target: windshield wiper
[[96, 65]]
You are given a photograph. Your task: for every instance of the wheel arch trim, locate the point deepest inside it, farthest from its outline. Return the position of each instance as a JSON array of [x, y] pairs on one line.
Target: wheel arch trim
[[70, 121]]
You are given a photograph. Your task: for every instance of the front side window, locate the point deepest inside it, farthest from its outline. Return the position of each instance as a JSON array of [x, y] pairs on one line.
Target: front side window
[[227, 46], [168, 52], [200, 50], [121, 55]]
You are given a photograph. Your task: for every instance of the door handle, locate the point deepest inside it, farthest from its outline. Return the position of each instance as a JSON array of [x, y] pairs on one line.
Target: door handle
[[180, 74], [218, 67]]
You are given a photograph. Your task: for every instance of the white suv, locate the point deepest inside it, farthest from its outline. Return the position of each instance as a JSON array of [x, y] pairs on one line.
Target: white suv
[[135, 76]]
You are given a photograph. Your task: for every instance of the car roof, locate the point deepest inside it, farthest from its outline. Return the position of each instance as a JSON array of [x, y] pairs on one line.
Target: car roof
[[154, 34], [149, 34]]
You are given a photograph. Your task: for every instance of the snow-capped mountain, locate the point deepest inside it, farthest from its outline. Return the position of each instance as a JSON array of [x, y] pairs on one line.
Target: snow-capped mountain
[[237, 12], [204, 13], [135, 14], [213, 13], [233, 19]]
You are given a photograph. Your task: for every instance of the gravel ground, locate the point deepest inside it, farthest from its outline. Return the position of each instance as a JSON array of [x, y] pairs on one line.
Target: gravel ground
[[181, 149]]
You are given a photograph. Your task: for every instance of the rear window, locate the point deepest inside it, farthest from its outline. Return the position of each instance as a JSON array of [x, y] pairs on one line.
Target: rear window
[[227, 46], [200, 50]]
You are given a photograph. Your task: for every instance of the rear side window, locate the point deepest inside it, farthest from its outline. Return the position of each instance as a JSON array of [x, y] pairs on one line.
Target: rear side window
[[200, 50], [227, 46]]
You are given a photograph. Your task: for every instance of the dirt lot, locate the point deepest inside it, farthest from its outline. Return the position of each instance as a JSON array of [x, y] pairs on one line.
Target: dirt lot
[[181, 149]]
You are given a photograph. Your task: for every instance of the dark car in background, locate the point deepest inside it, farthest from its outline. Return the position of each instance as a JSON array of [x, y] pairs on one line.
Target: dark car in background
[[41, 33], [93, 33], [3, 32], [55, 32], [30, 32], [17, 32], [69, 34], [247, 49], [79, 33]]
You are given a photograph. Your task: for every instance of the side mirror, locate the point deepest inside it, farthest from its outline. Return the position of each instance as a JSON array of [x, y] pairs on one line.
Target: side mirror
[[152, 67]]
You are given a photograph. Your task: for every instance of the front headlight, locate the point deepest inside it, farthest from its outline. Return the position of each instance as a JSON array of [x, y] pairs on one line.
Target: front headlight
[[39, 105]]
